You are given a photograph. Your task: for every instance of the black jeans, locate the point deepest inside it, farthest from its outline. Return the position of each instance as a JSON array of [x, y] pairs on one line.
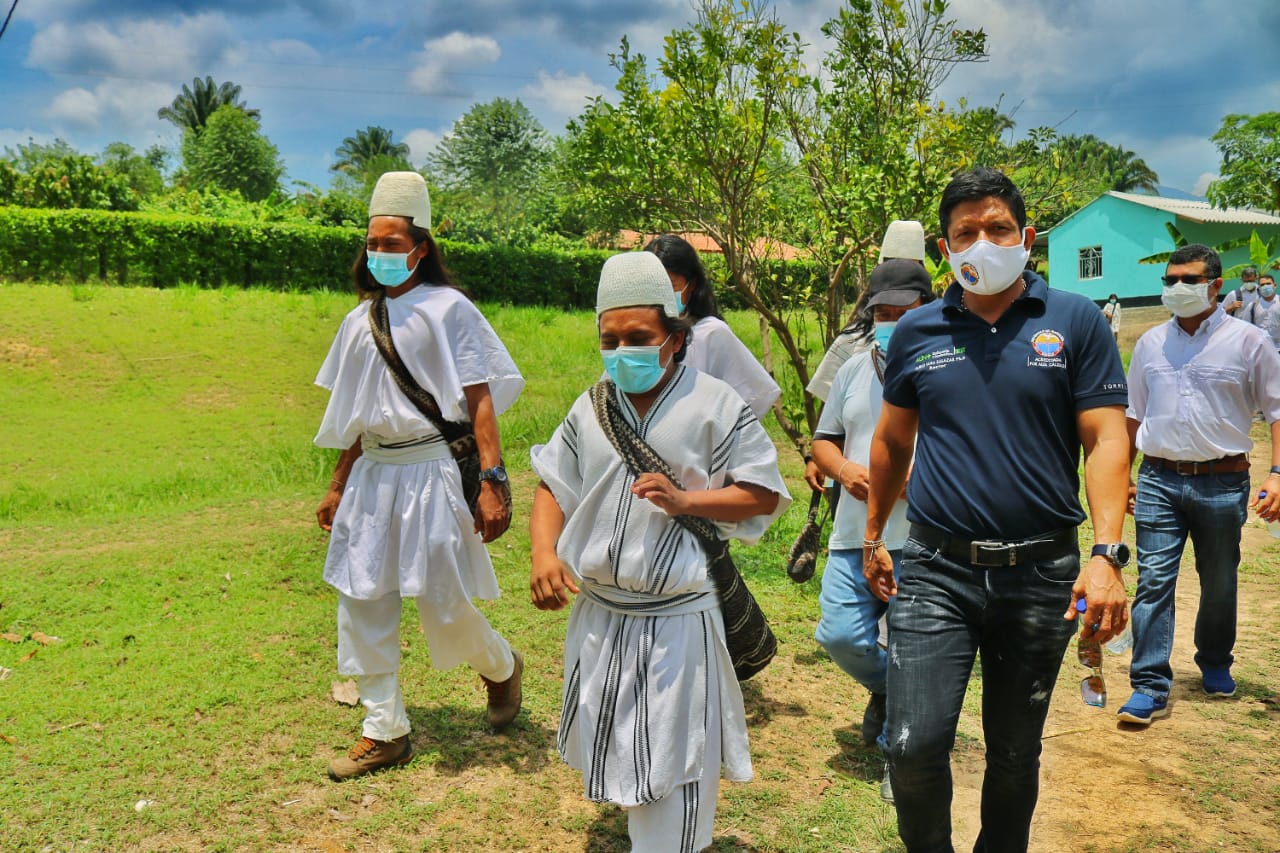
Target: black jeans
[[946, 612]]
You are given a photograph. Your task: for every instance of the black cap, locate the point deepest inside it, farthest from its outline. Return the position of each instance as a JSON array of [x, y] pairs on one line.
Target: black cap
[[898, 282]]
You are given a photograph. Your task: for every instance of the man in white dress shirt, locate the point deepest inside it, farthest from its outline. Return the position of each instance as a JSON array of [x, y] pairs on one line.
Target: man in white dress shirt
[[1194, 384]]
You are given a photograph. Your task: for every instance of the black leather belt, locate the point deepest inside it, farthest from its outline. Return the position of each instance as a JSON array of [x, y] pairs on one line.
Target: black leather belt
[[1226, 465], [988, 552]]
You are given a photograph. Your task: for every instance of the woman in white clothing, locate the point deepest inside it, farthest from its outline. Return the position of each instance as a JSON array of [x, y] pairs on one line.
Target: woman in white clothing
[[713, 347], [651, 708], [400, 524]]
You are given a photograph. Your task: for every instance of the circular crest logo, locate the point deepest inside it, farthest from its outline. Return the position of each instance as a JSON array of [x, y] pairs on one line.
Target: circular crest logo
[[969, 273], [1047, 343]]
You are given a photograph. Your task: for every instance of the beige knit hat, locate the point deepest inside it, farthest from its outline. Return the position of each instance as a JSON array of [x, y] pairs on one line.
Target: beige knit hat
[[402, 194], [635, 279], [904, 238]]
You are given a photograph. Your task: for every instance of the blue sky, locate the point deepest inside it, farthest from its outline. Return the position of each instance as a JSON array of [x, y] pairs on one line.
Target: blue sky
[[1155, 76]]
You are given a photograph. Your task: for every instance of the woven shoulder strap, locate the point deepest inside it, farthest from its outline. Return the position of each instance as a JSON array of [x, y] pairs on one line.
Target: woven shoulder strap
[[380, 327], [639, 457]]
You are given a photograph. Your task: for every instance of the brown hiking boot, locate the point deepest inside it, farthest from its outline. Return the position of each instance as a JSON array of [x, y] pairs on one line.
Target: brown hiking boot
[[369, 755], [505, 696]]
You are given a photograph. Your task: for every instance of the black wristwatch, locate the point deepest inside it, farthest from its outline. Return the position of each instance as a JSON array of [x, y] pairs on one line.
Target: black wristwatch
[[497, 473], [1117, 555]]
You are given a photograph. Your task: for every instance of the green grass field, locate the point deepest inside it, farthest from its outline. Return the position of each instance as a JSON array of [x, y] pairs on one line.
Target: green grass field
[[157, 496]]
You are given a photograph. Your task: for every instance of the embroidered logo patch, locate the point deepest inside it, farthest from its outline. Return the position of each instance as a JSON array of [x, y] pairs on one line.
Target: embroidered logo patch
[[969, 273], [1047, 343], [1048, 349]]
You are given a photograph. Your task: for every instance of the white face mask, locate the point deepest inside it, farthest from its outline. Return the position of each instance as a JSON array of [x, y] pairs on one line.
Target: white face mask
[[1250, 285], [1186, 300], [985, 268]]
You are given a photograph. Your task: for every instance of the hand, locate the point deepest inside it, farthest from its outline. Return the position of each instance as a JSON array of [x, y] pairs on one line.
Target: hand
[[1267, 502], [1133, 496], [1101, 585], [877, 568], [493, 517], [328, 509], [855, 480], [662, 493], [550, 582], [813, 476]]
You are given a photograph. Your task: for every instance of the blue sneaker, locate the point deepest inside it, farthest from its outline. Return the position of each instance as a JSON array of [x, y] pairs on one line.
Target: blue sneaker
[[1218, 682], [1142, 709]]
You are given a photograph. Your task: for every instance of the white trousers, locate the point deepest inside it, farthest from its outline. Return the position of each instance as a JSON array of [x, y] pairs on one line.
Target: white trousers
[[369, 648], [681, 822]]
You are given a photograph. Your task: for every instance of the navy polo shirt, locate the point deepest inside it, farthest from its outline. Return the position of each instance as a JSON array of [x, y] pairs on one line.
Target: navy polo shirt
[[998, 455]]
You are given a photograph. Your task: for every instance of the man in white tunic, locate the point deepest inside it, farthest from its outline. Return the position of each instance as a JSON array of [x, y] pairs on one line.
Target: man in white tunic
[[400, 523], [651, 707]]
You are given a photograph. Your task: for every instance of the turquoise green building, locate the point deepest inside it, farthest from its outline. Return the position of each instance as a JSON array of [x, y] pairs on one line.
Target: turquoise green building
[[1095, 250]]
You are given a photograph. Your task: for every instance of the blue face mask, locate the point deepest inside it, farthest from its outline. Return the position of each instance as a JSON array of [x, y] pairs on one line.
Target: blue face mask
[[1267, 291], [680, 306], [884, 331], [635, 370], [390, 268]]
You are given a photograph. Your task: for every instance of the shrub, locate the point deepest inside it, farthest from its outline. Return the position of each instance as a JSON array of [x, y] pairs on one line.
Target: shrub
[[164, 249]]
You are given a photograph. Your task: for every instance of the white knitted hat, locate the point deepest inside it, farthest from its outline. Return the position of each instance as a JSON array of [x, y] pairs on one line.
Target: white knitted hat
[[402, 194], [904, 238], [634, 279]]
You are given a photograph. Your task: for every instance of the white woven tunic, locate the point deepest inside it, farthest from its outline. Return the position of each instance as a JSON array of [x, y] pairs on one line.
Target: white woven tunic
[[715, 350], [405, 527], [634, 719]]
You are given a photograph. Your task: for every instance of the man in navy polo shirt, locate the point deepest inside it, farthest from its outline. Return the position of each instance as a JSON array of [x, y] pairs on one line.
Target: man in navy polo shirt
[[1005, 381]]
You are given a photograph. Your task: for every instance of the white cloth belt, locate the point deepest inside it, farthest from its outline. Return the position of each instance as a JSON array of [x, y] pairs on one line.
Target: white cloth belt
[[646, 604], [429, 450]]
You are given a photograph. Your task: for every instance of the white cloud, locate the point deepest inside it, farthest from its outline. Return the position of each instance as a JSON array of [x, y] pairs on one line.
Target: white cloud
[[565, 94], [1202, 183], [444, 61], [421, 143], [148, 49], [119, 105], [291, 51]]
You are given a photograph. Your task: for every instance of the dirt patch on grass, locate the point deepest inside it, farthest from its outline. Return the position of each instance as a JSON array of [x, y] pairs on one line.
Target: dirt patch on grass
[[23, 354]]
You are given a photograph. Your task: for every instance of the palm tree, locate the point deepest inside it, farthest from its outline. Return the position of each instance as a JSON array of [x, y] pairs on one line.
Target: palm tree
[[191, 109], [1130, 172], [357, 152]]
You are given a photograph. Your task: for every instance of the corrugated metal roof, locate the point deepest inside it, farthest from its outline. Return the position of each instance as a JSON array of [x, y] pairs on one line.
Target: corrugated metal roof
[[1200, 211]]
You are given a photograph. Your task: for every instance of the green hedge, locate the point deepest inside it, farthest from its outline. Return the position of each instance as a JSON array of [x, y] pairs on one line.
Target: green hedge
[[161, 250]]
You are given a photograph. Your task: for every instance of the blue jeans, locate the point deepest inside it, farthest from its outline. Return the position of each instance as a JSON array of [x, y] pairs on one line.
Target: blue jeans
[[945, 613], [1210, 508], [850, 624]]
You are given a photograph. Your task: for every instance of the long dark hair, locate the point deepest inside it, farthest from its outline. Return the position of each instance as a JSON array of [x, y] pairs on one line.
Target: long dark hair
[[430, 269], [679, 257]]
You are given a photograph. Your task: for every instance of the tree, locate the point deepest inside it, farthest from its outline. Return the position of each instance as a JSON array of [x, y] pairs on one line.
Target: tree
[[1250, 149], [138, 170], [493, 157], [356, 153], [58, 176], [231, 154], [192, 108], [873, 144]]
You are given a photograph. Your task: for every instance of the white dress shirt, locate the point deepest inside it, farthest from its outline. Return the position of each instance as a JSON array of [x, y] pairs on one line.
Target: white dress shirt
[[1195, 395]]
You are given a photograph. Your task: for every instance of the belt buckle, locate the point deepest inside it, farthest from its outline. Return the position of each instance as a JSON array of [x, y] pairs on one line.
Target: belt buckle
[[979, 548], [1178, 468]]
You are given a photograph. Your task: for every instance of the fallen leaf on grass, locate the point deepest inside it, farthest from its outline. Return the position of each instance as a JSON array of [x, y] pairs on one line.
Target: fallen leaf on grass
[[346, 692], [44, 639], [337, 815], [823, 785], [143, 804], [9, 739], [13, 638], [367, 800], [5, 672], [28, 656]]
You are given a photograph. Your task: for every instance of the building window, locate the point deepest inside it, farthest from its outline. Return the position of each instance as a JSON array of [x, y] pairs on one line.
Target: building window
[[1091, 262]]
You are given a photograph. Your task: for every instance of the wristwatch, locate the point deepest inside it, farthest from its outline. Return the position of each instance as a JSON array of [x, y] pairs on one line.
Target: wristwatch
[[497, 473], [1117, 555]]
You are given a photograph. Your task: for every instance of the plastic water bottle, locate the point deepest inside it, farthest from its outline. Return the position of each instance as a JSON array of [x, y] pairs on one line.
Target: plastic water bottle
[[1273, 526], [1120, 644]]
